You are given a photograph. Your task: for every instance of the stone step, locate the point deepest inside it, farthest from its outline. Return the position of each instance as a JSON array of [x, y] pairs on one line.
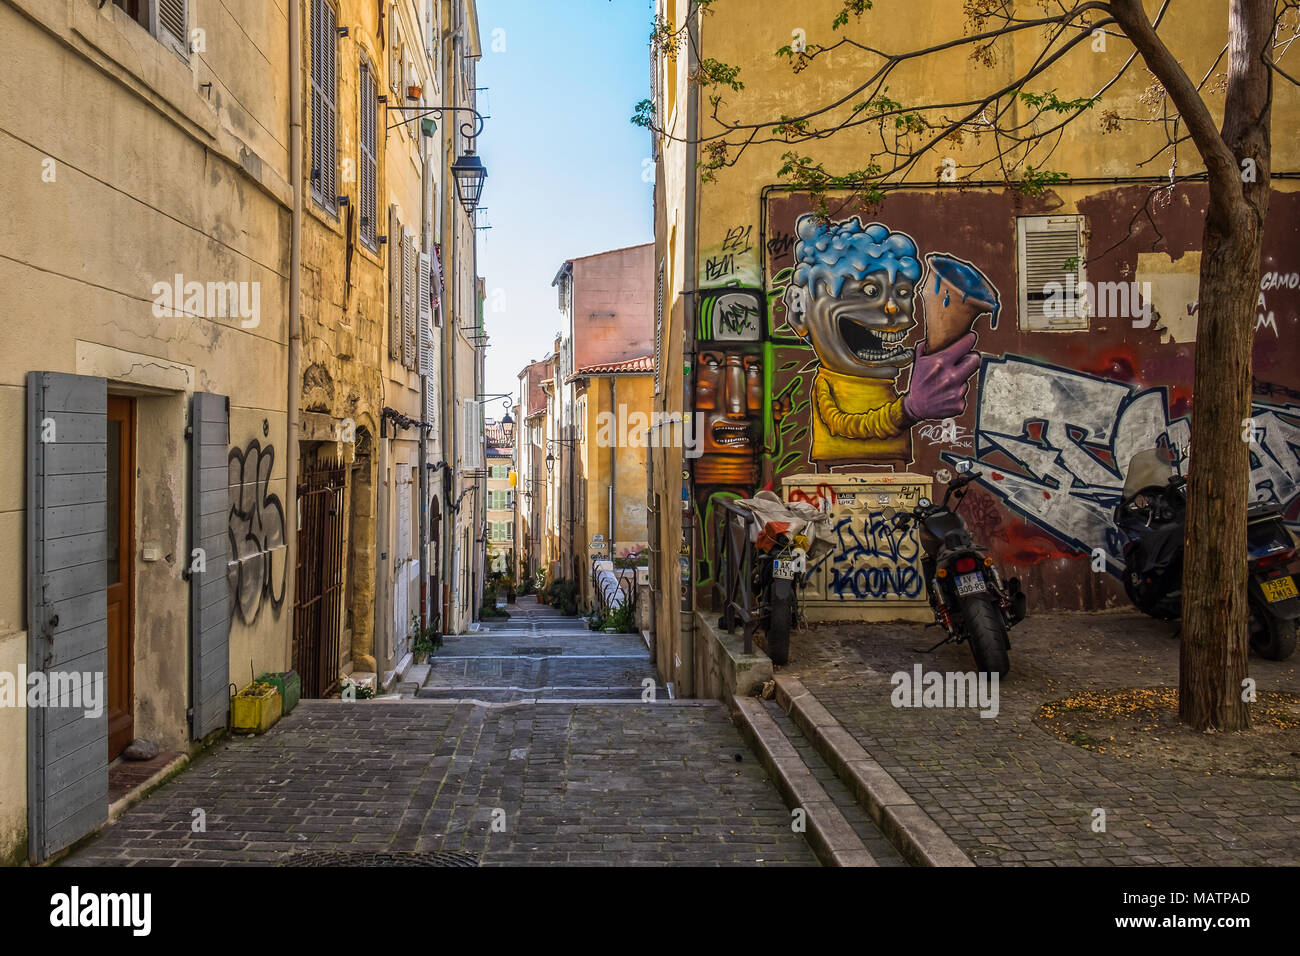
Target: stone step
[[909, 828], [826, 828]]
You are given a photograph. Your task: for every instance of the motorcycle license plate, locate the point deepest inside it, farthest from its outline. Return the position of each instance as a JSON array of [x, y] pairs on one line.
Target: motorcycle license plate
[[783, 568], [1279, 589], [970, 583]]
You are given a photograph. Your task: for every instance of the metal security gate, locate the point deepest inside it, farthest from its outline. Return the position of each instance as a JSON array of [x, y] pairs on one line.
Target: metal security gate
[[317, 600]]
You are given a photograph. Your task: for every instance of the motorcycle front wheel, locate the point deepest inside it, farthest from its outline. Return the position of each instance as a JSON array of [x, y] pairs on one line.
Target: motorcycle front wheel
[[1271, 637], [987, 636]]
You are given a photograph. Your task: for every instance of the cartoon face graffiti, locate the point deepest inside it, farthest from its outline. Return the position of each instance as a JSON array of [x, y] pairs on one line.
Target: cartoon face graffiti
[[853, 297], [729, 393]]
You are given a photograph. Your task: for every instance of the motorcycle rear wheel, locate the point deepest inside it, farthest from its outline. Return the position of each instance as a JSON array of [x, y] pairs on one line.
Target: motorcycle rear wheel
[[987, 636], [781, 612], [1272, 638]]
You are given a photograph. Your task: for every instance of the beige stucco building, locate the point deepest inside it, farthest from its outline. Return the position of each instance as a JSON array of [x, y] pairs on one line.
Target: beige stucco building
[[245, 270]]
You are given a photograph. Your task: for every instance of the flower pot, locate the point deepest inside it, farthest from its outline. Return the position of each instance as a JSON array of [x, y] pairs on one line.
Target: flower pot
[[255, 709]]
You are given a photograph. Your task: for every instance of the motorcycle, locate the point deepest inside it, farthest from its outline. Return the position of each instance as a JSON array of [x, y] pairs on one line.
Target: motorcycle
[[1151, 516], [968, 595], [779, 576]]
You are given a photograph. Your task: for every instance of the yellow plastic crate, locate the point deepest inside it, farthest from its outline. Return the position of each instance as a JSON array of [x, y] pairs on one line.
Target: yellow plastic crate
[[255, 709]]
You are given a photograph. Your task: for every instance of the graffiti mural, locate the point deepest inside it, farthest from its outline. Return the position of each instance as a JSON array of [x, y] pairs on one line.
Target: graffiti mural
[[852, 296], [255, 524], [729, 393], [1054, 445], [887, 342]]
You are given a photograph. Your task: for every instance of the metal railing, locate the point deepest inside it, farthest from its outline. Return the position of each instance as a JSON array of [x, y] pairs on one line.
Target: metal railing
[[624, 582], [734, 575]]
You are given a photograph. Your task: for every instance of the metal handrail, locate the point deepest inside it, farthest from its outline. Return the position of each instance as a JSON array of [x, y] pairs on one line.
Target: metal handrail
[[734, 580]]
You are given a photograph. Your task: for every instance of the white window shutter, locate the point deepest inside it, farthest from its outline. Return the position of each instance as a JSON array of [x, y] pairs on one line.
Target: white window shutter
[[409, 340], [1050, 250], [425, 312], [472, 435]]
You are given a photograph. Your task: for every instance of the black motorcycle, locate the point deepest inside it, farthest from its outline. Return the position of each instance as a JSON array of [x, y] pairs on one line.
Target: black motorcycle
[[968, 595], [1151, 516]]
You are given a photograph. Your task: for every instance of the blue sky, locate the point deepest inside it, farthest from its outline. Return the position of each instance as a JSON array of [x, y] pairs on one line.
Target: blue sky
[[564, 162]]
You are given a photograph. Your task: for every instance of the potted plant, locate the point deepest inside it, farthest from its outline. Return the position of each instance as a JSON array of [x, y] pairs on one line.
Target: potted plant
[[424, 640]]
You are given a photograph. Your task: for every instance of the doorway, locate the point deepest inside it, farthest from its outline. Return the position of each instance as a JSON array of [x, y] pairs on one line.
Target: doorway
[[120, 562]]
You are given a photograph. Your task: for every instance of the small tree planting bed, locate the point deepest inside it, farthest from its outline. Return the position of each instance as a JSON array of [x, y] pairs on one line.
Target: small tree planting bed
[[1141, 724]]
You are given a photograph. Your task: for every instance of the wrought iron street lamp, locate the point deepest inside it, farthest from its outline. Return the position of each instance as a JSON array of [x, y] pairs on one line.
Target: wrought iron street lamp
[[469, 173], [468, 170]]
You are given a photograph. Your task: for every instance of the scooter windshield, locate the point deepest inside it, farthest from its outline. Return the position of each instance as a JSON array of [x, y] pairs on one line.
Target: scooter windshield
[[1147, 468]]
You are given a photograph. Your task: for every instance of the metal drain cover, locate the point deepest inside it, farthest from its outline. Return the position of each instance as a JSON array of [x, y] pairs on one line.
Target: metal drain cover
[[538, 650], [366, 858]]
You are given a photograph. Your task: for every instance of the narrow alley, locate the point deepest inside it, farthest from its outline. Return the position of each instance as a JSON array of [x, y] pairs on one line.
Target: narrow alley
[[527, 743]]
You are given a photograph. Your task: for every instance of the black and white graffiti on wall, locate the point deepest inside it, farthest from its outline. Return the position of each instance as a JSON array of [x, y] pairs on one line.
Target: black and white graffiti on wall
[[1071, 436], [256, 573]]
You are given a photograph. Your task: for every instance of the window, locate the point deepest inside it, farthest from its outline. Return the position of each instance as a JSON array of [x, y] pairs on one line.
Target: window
[[395, 57], [500, 471], [501, 531], [500, 499], [659, 324], [324, 105], [394, 248], [1050, 259], [168, 20], [410, 333], [369, 121]]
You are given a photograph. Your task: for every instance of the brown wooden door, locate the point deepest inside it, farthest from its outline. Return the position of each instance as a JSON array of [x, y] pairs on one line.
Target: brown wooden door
[[121, 562]]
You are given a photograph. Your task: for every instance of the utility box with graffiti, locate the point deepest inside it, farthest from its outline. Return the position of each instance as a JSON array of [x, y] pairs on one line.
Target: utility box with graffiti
[[874, 571]]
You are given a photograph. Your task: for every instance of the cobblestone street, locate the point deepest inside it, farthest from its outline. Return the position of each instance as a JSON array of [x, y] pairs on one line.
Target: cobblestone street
[[617, 783], [1011, 793]]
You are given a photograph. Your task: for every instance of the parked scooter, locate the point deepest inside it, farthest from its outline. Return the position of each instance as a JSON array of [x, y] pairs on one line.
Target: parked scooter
[[968, 595], [1152, 515]]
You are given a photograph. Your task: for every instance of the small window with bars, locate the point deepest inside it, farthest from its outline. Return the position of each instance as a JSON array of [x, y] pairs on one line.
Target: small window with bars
[[368, 122], [1051, 273], [324, 105]]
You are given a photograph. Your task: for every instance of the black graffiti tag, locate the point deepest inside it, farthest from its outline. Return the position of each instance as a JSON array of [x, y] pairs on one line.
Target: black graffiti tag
[[255, 526]]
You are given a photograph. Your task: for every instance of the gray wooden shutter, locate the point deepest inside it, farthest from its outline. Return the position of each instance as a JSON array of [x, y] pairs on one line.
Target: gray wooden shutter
[[209, 590], [324, 104], [67, 612], [395, 252], [369, 151]]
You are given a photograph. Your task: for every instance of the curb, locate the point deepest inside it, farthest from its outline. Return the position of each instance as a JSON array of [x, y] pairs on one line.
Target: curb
[[828, 832], [900, 818]]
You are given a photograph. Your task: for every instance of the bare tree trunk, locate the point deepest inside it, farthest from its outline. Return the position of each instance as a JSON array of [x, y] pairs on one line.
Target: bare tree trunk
[[1216, 613], [1215, 634], [1215, 637]]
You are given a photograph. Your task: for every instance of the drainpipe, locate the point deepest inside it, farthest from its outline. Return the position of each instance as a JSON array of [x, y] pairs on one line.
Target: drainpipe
[[613, 464], [687, 674], [295, 322], [423, 433]]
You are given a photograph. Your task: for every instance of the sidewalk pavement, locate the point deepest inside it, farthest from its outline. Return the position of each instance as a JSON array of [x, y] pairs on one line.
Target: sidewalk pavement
[[1011, 793]]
